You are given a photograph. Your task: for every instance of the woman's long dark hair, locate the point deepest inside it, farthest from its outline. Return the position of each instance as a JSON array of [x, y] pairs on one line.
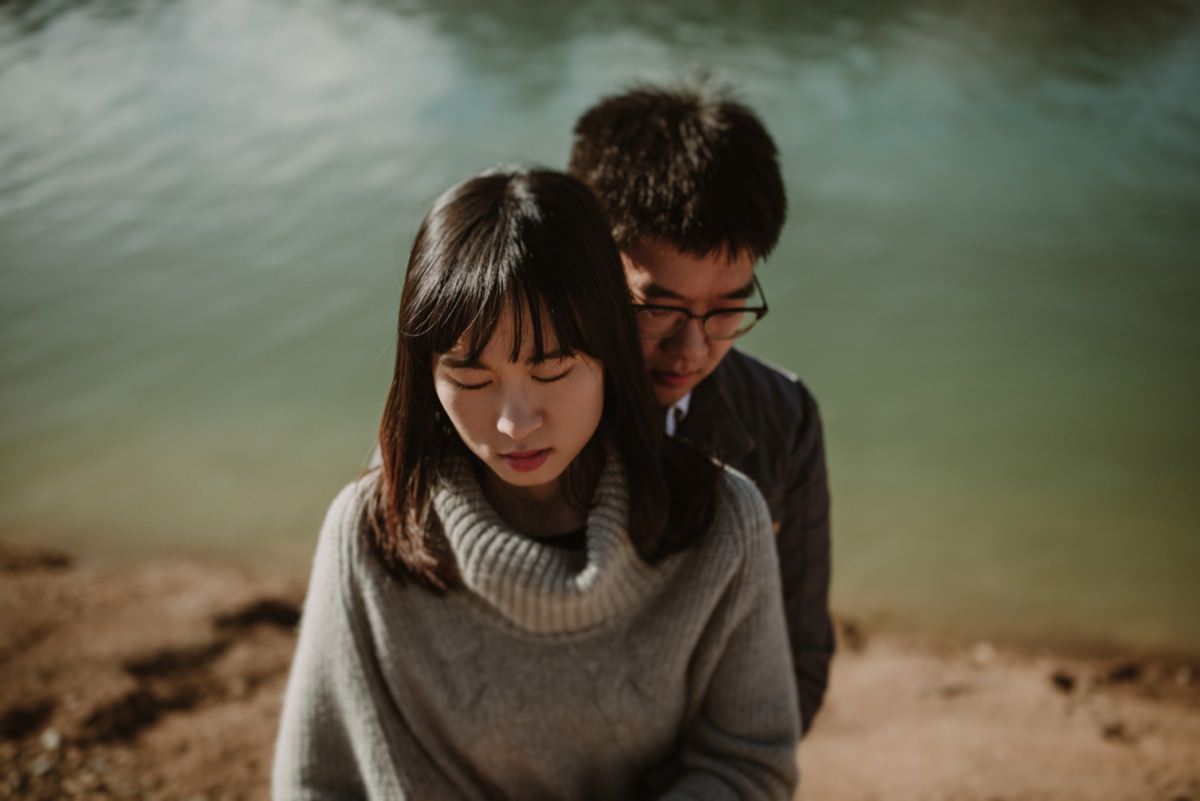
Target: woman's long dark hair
[[516, 242]]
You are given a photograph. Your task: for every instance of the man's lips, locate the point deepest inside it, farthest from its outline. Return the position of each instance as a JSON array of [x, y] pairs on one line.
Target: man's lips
[[524, 461], [670, 378]]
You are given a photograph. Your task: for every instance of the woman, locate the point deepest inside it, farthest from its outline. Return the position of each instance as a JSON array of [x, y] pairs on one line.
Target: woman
[[537, 595]]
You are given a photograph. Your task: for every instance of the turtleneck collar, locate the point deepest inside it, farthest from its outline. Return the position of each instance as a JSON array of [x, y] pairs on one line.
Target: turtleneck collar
[[535, 586]]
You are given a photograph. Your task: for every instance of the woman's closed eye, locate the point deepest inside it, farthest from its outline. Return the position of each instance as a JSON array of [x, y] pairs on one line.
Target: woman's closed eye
[[554, 368], [468, 378], [461, 385], [552, 377]]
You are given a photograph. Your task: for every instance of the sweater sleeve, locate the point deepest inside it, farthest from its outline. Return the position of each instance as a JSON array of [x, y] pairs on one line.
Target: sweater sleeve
[[332, 739], [742, 743]]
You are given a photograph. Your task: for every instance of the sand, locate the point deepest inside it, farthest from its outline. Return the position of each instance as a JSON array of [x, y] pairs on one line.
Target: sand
[[163, 680]]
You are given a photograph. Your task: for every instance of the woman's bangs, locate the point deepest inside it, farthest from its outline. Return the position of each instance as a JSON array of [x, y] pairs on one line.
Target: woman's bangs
[[458, 307], [535, 307], [556, 309]]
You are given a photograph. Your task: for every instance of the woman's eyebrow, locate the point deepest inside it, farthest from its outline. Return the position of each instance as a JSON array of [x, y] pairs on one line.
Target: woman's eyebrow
[[469, 363], [551, 356], [460, 362]]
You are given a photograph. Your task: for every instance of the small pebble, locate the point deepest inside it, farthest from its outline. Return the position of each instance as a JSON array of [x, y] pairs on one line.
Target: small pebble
[[1124, 673], [1062, 681], [51, 740], [954, 689], [984, 653], [41, 765], [853, 636], [1116, 732]]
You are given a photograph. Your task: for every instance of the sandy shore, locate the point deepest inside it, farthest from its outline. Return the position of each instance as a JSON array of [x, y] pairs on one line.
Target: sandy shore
[[163, 680]]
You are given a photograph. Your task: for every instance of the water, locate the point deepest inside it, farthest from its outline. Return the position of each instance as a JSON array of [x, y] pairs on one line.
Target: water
[[990, 271]]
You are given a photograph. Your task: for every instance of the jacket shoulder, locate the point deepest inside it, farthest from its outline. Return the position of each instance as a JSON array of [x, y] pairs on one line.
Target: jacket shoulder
[[753, 385]]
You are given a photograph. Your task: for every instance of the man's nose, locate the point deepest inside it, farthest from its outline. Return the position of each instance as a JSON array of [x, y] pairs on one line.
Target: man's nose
[[690, 340], [519, 416]]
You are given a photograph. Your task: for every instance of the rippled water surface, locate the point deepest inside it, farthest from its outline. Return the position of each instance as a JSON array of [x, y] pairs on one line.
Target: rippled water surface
[[990, 275]]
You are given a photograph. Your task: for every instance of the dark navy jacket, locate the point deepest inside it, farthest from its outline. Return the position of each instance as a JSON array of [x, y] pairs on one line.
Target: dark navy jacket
[[764, 422]]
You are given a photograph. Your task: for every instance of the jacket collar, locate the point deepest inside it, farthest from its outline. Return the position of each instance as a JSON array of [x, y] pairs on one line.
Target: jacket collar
[[712, 421]]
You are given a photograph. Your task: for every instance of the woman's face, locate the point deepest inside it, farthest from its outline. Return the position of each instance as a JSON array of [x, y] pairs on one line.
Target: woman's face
[[525, 420]]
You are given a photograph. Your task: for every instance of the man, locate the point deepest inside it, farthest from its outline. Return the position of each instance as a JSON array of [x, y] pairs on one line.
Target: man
[[690, 181]]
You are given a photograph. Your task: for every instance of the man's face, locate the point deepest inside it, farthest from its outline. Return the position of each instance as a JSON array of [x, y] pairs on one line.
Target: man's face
[[659, 274]]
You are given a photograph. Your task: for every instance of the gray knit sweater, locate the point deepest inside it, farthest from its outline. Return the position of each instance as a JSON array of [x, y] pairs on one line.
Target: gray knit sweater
[[554, 674]]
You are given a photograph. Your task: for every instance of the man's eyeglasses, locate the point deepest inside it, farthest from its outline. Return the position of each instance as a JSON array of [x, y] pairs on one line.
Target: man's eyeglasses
[[663, 322]]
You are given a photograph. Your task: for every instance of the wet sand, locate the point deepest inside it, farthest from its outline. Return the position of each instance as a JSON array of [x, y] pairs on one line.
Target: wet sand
[[163, 680]]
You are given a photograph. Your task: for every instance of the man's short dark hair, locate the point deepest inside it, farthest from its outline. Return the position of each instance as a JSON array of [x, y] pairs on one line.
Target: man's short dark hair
[[689, 166]]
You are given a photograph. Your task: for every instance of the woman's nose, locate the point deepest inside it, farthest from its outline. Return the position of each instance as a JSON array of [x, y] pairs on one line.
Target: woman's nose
[[519, 417]]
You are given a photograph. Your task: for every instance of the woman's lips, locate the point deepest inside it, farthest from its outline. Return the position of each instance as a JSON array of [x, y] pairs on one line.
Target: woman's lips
[[524, 461], [672, 379]]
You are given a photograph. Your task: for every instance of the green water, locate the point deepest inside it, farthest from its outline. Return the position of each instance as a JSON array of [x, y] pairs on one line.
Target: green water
[[990, 275]]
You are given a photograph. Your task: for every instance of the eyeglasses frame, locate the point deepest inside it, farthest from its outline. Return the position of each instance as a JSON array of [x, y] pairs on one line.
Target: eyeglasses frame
[[759, 312]]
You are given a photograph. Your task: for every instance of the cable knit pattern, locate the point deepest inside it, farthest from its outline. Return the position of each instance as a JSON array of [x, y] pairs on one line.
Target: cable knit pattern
[[552, 674]]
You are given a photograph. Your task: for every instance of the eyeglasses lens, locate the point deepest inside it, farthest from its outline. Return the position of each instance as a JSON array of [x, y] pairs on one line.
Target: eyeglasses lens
[[665, 323]]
